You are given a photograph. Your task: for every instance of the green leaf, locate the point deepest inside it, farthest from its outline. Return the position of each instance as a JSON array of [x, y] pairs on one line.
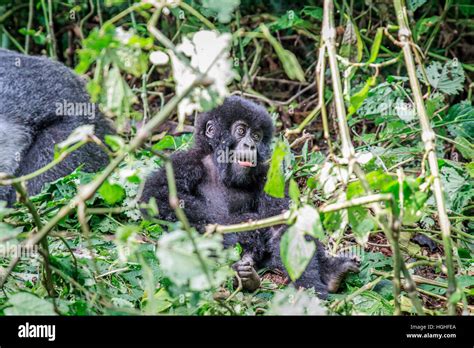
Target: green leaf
[[463, 114], [290, 63], [313, 11], [24, 303], [465, 147], [456, 296], [166, 143], [161, 301], [290, 20], [115, 142], [358, 98], [470, 169], [275, 185], [424, 25], [117, 96], [180, 263], [130, 60], [457, 188], [374, 51], [296, 252], [294, 191], [291, 301], [361, 223], [111, 193]]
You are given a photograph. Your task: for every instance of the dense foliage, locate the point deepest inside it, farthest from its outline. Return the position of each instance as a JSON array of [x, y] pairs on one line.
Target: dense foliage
[[103, 258]]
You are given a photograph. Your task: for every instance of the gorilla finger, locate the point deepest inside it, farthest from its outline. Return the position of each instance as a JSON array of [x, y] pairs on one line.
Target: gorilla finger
[[245, 274]]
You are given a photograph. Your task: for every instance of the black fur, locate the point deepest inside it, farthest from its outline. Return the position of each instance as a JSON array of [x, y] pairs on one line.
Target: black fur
[[31, 88], [212, 192]]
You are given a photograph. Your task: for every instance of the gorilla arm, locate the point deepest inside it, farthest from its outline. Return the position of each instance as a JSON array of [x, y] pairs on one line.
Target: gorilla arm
[[189, 173]]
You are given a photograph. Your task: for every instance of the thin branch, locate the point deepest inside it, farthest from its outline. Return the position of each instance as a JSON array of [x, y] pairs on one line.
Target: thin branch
[[428, 136], [288, 216], [174, 203]]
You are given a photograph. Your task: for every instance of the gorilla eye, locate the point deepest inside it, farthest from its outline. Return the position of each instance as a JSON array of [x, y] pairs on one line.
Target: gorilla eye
[[240, 130], [210, 129], [257, 136]]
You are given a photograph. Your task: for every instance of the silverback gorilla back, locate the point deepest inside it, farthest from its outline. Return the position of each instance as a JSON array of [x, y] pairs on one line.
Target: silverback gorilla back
[[41, 103]]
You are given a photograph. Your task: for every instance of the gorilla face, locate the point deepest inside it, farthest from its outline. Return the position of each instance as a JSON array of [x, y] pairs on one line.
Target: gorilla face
[[240, 154]]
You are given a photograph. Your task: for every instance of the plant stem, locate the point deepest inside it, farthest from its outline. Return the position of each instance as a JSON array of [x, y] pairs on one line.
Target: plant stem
[[428, 136], [174, 203], [287, 217], [29, 25], [196, 14]]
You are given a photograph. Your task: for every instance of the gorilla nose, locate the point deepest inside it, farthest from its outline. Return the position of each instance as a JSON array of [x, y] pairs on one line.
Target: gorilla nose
[[250, 147]]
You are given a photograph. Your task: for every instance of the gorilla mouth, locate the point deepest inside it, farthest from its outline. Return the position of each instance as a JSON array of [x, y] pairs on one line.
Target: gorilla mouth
[[246, 159], [246, 164]]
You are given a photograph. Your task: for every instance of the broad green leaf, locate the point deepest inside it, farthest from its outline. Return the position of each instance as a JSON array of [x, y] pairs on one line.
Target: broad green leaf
[[463, 114], [457, 188], [24, 303], [161, 301], [296, 252], [447, 78], [129, 59], [166, 143], [361, 223], [290, 20], [275, 185], [116, 95], [111, 193], [290, 63], [470, 169]]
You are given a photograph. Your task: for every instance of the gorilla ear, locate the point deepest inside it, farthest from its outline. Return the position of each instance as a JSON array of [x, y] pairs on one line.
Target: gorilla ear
[[210, 129]]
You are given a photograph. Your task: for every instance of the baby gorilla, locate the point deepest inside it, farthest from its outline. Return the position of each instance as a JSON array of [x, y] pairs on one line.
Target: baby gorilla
[[220, 180]]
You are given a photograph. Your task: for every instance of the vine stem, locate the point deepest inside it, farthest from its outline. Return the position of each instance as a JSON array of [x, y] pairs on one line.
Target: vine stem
[[48, 280], [429, 137]]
